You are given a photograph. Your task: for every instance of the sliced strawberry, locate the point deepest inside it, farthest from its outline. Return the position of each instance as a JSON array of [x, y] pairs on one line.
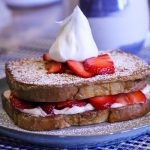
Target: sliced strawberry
[[78, 69], [48, 108], [66, 69], [102, 102], [130, 98], [53, 67], [122, 99], [63, 68], [46, 57], [70, 103], [137, 97], [102, 64], [20, 104]]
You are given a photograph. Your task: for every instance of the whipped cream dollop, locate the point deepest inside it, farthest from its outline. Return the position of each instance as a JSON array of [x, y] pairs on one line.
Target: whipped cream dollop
[[75, 40]]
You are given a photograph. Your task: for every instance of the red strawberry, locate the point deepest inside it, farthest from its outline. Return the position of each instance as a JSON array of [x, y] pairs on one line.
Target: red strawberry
[[49, 109], [53, 67], [137, 97], [130, 98], [100, 65], [70, 103], [78, 69], [102, 102], [46, 57], [66, 69], [20, 104], [122, 99]]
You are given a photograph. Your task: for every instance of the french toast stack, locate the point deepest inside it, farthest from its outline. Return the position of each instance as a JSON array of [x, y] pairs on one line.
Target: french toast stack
[[40, 101]]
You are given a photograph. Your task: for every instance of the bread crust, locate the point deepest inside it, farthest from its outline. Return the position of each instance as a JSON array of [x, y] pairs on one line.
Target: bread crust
[[44, 93], [129, 112], [34, 123]]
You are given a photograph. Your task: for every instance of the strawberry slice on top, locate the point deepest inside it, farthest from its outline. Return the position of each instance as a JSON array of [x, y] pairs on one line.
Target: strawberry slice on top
[[46, 57], [78, 68], [102, 64], [53, 67]]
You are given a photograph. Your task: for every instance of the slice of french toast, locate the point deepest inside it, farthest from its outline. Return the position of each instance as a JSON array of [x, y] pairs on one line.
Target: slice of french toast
[[36, 123], [29, 80]]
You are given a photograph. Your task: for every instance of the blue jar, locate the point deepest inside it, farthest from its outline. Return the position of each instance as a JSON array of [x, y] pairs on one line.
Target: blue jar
[[120, 24], [116, 24]]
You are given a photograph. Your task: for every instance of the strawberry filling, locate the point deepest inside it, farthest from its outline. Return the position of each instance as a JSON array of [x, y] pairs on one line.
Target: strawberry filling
[[70, 104], [98, 102], [104, 102], [48, 108], [99, 65], [20, 104]]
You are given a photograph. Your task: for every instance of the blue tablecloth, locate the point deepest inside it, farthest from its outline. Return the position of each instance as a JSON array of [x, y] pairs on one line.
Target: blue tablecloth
[[139, 143]]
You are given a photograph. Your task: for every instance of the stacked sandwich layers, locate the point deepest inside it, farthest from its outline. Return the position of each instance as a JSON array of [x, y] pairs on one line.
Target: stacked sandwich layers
[[75, 84], [42, 101]]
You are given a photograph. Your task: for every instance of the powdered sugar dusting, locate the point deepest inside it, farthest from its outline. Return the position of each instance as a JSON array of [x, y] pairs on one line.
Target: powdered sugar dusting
[[32, 71]]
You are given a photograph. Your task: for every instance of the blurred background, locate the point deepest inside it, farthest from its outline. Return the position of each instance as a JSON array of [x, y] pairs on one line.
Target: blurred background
[[28, 27]]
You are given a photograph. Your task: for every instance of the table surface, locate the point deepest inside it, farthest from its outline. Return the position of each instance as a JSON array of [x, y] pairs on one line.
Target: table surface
[[30, 35]]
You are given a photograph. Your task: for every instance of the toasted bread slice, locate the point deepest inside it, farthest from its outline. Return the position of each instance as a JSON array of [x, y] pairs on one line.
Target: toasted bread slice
[[129, 112], [29, 80], [34, 123]]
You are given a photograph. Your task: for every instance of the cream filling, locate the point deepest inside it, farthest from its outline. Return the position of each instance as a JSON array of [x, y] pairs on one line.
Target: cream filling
[[146, 91], [35, 112], [66, 111], [75, 109], [117, 105]]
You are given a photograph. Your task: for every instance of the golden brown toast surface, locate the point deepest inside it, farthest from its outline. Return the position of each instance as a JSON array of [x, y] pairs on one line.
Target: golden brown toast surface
[[32, 71], [28, 78]]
